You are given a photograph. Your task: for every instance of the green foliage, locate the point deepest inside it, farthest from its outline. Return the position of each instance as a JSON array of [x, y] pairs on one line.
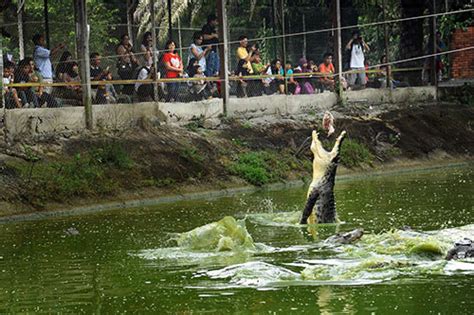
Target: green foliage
[[259, 168], [354, 154], [191, 153], [393, 152], [102, 18], [87, 174], [239, 142], [112, 154], [267, 46], [370, 12], [246, 125]]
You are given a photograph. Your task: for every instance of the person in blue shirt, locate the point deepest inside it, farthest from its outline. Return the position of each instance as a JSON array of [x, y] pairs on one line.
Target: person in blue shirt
[[42, 57]]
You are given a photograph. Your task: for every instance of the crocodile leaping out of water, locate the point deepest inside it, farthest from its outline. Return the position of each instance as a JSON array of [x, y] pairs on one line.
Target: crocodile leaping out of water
[[321, 189]]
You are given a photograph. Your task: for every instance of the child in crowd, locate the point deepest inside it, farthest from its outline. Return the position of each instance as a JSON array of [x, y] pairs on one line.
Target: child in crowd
[[200, 88], [291, 82], [275, 83], [258, 68], [23, 75], [304, 81], [44, 99], [71, 75], [11, 95]]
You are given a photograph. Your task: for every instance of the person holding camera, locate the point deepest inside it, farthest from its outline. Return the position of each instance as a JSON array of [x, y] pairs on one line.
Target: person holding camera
[[357, 47]]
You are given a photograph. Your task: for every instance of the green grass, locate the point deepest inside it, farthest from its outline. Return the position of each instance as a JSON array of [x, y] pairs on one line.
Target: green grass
[[91, 173], [191, 153], [354, 154], [259, 168]]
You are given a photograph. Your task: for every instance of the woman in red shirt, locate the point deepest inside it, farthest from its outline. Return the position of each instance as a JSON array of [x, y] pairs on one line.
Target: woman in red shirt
[[173, 67]]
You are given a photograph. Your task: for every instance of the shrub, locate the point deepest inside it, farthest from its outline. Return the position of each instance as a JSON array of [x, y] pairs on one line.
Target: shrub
[[354, 153], [259, 168]]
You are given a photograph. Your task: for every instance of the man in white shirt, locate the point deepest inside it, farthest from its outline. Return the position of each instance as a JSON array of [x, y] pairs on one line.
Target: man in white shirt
[[42, 57], [357, 47]]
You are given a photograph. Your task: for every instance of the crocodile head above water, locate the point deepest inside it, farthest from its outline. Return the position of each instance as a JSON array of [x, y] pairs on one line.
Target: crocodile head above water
[[345, 238]]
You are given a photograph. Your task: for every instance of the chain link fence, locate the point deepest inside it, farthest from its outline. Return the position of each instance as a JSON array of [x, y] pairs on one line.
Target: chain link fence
[[269, 53]]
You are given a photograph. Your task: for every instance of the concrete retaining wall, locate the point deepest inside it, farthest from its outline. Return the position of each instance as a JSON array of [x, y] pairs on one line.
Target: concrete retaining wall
[[42, 121]]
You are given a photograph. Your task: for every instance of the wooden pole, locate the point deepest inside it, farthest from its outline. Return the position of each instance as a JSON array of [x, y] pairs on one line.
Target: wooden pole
[[82, 46], [283, 42], [223, 53], [385, 34], [435, 50], [170, 22], [46, 23], [154, 47], [338, 46], [130, 21], [274, 27], [304, 36], [180, 41], [2, 103], [21, 40]]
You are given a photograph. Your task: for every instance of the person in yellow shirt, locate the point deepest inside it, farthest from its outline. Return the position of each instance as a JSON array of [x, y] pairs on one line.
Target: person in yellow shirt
[[244, 56]]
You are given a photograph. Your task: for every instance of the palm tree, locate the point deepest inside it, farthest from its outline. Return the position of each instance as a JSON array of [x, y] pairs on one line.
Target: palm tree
[[178, 8]]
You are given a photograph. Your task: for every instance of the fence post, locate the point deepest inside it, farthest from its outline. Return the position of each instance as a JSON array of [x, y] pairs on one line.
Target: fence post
[[21, 40], [155, 57], [223, 53], [170, 21], [283, 43], [385, 34], [338, 45], [82, 39], [2, 103], [130, 21], [304, 36], [435, 50], [46, 23]]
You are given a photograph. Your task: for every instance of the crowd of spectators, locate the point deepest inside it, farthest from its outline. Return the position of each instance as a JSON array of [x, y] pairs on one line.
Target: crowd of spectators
[[252, 75]]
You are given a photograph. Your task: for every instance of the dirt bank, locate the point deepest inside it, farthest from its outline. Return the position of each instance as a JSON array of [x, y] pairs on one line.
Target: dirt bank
[[151, 161]]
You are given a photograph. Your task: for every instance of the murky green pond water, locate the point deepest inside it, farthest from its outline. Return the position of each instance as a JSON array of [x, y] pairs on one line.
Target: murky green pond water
[[124, 261]]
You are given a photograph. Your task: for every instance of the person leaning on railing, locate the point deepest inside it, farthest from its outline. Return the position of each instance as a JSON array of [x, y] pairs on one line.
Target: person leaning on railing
[[10, 94], [105, 93], [327, 71], [72, 91], [62, 65], [275, 83], [145, 91], [23, 75], [45, 99], [259, 69], [304, 82]]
